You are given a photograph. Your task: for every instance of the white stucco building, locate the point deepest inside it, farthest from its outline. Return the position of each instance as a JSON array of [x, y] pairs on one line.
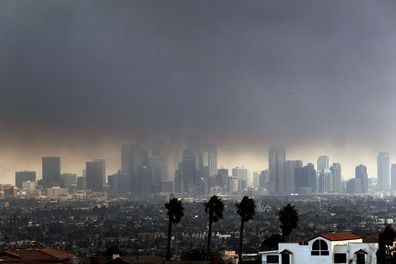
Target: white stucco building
[[328, 248]]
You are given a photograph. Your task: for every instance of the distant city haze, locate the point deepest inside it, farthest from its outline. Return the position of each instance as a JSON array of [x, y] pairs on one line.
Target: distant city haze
[[78, 79], [74, 159]]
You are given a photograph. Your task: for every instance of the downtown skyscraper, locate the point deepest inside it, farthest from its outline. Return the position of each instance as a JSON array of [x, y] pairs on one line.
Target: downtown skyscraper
[[96, 175], [240, 174], [323, 163], [290, 175], [207, 160], [276, 163], [393, 177], [306, 179], [189, 170], [197, 169], [23, 176], [133, 158], [51, 168], [336, 177], [362, 178], [383, 177]]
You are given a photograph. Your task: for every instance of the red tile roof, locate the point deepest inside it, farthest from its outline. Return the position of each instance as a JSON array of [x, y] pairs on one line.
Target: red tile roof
[[9, 253], [339, 236], [34, 255], [61, 255]]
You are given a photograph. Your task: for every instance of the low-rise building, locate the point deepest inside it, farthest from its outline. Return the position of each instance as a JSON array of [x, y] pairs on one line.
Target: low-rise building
[[36, 255], [328, 248]]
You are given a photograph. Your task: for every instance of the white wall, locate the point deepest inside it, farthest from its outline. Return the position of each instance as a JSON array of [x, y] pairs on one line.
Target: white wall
[[302, 253]]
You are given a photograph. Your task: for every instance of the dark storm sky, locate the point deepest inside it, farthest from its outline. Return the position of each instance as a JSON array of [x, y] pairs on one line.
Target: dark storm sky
[[77, 78]]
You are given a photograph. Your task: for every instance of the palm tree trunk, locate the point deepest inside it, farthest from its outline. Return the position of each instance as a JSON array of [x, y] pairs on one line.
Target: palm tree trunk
[[209, 237], [240, 241], [168, 254]]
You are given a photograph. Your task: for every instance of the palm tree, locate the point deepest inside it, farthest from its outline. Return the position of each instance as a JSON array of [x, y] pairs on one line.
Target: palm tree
[[246, 210], [215, 208], [288, 218], [175, 214]]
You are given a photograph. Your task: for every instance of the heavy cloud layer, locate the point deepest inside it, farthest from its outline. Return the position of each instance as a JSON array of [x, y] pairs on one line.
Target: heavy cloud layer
[[77, 78]]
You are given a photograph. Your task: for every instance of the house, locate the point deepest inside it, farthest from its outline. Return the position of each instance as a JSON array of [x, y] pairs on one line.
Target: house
[[36, 255], [328, 248]]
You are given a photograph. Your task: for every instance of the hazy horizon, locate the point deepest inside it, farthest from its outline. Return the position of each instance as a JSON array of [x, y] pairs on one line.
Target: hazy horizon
[[72, 162]]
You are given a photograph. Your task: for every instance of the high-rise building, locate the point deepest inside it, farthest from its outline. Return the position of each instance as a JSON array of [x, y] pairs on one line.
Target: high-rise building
[[300, 182], [95, 171], [264, 179], [393, 177], [325, 179], [69, 179], [256, 178], [323, 163], [234, 185], [361, 175], [133, 157], [82, 182], [242, 174], [306, 179], [51, 167], [24, 176], [276, 161], [119, 183], [354, 186], [207, 167], [199, 167], [144, 190], [157, 169], [207, 160], [383, 179], [103, 161], [190, 171], [222, 178], [159, 163], [178, 179], [114, 183], [337, 178], [310, 174], [290, 175]]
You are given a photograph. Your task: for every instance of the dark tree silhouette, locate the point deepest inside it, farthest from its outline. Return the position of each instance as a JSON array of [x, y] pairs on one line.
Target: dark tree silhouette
[[271, 242], [111, 249], [385, 239], [193, 254], [246, 210], [175, 214], [214, 207], [288, 219]]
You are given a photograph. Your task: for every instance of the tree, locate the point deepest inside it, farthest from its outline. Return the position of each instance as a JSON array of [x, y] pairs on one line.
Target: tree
[[385, 243], [194, 254], [175, 214], [214, 207], [288, 218], [111, 249], [271, 242], [245, 209]]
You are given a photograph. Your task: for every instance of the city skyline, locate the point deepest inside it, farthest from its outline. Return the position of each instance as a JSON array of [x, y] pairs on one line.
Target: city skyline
[[80, 79], [110, 170]]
